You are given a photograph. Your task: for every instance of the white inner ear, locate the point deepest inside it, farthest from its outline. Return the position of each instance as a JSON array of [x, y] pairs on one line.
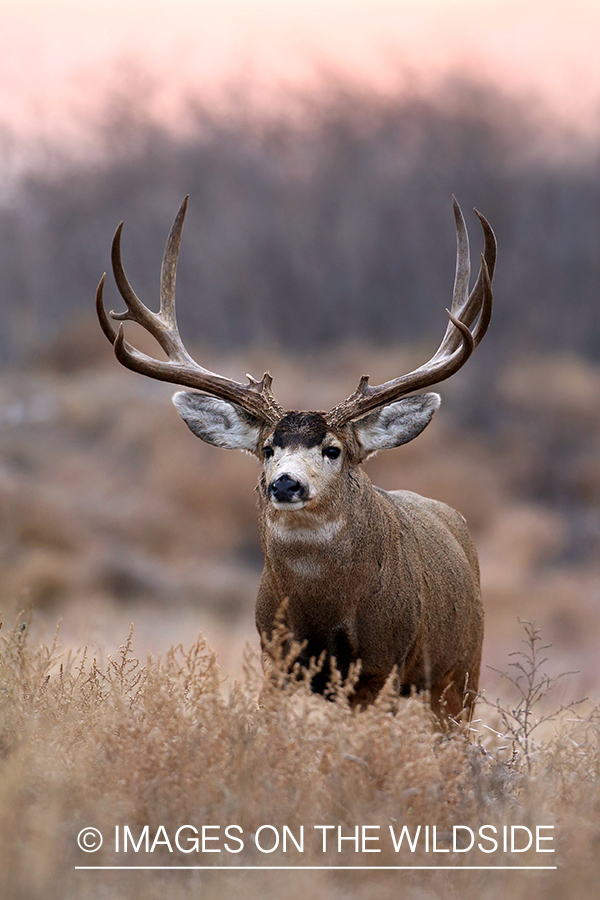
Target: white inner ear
[[218, 422], [396, 424]]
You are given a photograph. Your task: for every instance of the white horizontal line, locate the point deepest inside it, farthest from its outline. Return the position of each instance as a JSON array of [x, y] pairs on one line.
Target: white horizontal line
[[320, 868]]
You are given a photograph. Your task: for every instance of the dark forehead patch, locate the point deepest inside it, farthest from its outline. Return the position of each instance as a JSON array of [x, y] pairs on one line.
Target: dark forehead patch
[[300, 429]]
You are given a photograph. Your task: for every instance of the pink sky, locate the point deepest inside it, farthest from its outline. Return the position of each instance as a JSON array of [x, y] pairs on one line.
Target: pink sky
[[57, 56]]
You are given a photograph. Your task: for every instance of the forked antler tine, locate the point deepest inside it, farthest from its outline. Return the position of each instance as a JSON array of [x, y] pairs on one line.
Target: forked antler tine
[[164, 332], [457, 344], [256, 397], [368, 397], [465, 306], [476, 297], [479, 304], [125, 352]]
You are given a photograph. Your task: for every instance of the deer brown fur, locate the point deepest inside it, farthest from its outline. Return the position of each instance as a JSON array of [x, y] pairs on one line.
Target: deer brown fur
[[389, 580], [394, 584]]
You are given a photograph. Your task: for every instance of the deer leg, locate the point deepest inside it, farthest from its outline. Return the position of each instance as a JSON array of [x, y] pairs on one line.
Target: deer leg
[[367, 690]]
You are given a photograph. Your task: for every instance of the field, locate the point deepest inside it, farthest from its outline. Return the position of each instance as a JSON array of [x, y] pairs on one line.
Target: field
[[172, 768], [113, 513], [319, 245]]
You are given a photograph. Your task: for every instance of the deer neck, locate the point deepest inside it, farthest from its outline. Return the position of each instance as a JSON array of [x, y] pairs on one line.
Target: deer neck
[[304, 549]]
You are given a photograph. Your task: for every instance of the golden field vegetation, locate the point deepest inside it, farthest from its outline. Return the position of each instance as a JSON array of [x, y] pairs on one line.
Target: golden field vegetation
[[111, 512], [112, 743]]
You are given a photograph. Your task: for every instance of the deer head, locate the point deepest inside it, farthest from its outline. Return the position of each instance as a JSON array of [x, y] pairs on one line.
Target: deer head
[[302, 453]]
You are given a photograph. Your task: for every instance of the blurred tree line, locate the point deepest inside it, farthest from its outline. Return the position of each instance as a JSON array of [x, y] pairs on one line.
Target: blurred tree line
[[310, 228]]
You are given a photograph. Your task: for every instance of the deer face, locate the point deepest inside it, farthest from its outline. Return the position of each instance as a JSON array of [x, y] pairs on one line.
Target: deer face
[[304, 458]]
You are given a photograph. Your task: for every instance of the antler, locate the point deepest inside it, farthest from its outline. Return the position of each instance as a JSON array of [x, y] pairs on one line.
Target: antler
[[255, 397], [458, 342]]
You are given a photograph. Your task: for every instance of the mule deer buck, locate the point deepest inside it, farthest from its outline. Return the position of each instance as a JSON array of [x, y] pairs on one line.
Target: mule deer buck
[[390, 579]]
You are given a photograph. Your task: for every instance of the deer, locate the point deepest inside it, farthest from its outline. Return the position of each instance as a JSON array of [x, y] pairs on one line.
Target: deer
[[383, 583]]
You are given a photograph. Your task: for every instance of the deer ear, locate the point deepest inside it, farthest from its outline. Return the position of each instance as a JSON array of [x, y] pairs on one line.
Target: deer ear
[[396, 423], [218, 422]]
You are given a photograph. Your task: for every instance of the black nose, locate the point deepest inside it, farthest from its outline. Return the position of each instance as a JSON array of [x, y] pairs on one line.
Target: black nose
[[286, 489]]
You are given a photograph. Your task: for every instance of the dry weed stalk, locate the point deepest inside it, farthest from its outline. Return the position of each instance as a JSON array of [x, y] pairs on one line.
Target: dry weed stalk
[[531, 686]]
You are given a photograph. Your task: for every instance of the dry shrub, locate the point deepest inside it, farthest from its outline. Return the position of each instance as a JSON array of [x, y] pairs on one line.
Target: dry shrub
[[86, 742]]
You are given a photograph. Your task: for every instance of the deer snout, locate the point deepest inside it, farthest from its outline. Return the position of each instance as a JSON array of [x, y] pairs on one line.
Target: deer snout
[[286, 489]]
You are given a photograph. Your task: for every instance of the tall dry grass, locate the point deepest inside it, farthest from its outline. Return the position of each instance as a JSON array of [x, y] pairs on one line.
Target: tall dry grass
[[114, 742]]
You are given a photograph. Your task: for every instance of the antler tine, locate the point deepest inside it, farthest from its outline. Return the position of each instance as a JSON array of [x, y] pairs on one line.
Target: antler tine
[[482, 292], [458, 342], [255, 397], [162, 325], [168, 271], [460, 293], [466, 306], [463, 261], [107, 328]]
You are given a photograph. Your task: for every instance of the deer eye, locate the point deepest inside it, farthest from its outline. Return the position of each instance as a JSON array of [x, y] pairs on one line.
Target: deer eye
[[268, 451], [331, 452]]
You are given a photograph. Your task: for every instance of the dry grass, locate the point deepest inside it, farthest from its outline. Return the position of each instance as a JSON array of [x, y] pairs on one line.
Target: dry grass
[[104, 743], [111, 512]]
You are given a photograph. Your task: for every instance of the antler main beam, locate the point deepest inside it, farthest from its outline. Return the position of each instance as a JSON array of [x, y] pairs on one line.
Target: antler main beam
[[255, 397], [458, 342]]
